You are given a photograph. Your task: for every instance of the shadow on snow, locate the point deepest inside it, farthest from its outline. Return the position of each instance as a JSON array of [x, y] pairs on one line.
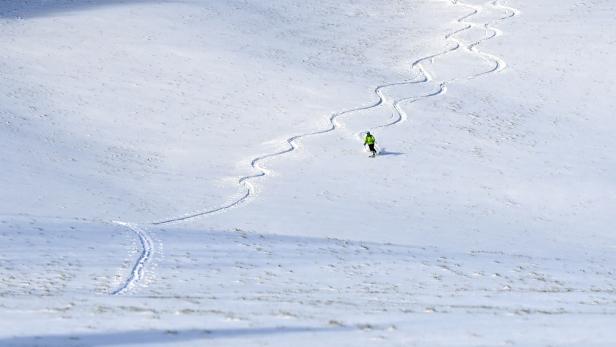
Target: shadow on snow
[[146, 337], [39, 8], [383, 151]]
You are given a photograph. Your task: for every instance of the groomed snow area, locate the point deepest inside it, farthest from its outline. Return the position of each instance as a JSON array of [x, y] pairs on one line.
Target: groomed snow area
[[190, 173]]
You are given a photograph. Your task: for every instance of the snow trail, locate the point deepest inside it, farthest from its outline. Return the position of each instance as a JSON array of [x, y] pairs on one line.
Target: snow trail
[[499, 63], [291, 146], [138, 269], [416, 69]]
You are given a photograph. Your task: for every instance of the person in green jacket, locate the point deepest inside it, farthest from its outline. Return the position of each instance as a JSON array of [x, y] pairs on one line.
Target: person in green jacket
[[370, 141]]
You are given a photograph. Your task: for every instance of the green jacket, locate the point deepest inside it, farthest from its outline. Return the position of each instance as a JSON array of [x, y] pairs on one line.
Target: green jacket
[[370, 140]]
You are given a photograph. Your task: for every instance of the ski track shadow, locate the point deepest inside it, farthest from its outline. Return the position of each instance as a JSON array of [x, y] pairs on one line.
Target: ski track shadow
[[147, 337]]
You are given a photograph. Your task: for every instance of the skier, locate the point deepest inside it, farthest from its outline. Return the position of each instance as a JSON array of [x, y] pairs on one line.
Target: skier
[[370, 141]]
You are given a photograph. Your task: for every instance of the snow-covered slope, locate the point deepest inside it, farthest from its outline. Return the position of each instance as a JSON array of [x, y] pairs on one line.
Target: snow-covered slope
[[191, 172], [136, 110]]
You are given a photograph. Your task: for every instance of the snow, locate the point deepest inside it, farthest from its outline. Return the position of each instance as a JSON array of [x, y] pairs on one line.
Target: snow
[[189, 172]]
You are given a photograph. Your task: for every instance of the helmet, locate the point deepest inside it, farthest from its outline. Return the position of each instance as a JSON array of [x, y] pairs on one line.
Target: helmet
[[367, 133]]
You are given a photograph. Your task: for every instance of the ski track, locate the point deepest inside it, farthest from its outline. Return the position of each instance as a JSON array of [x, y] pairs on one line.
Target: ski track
[[416, 69], [499, 63], [138, 270]]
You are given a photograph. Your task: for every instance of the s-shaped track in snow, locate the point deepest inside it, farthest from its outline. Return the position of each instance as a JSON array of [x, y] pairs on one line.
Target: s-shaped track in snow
[[416, 69], [419, 75], [498, 63]]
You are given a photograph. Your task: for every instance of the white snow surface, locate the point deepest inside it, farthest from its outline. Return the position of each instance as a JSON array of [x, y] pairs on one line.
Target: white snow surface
[[190, 173]]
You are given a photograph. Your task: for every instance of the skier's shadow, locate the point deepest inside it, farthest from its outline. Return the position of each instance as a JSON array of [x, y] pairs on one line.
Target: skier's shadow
[[383, 151]]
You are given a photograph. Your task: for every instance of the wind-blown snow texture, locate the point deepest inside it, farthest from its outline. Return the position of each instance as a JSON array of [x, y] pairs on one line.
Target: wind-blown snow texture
[[190, 173]]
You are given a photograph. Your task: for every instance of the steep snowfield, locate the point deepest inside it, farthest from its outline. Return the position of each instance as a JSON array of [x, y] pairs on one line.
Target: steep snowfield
[[191, 172]]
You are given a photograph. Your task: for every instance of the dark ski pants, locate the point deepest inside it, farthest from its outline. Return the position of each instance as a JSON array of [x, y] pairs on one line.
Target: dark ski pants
[[371, 148]]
